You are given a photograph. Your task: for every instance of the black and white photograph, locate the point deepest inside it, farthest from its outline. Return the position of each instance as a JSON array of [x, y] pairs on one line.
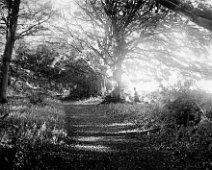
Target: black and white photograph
[[105, 84]]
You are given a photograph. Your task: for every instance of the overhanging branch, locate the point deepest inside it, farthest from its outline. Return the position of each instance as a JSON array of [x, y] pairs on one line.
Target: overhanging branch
[[202, 17], [26, 32]]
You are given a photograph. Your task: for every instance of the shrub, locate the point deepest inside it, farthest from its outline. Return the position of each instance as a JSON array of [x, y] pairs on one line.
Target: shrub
[[184, 111]]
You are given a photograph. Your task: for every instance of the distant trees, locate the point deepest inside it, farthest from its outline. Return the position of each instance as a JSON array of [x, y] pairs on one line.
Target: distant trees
[[43, 67], [38, 62]]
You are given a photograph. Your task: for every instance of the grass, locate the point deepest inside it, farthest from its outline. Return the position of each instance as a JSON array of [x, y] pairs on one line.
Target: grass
[[31, 134], [188, 147], [34, 137]]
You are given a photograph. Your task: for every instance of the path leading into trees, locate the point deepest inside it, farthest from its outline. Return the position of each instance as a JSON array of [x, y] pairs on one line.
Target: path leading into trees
[[103, 142]]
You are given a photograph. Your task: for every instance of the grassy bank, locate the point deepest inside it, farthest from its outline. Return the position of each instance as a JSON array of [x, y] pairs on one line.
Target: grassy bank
[[34, 136], [31, 136], [188, 147]]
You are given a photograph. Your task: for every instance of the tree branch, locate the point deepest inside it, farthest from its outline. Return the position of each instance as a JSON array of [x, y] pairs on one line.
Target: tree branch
[[26, 32], [202, 17]]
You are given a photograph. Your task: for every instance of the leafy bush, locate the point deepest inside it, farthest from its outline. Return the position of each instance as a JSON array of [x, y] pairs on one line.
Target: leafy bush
[[184, 111]]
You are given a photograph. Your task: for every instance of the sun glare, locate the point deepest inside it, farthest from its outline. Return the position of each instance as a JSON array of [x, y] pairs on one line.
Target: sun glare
[[147, 87], [205, 85], [140, 86], [153, 85]]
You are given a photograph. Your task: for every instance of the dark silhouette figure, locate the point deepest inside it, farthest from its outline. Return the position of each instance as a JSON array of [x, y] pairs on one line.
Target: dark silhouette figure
[[136, 97]]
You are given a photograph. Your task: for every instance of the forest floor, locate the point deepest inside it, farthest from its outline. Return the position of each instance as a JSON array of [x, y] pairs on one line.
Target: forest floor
[[99, 141]]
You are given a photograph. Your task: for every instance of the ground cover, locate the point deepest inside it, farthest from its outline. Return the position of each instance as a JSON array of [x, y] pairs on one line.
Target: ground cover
[[88, 135]]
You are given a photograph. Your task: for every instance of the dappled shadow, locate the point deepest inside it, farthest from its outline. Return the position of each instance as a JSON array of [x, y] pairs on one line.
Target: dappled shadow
[[103, 142]]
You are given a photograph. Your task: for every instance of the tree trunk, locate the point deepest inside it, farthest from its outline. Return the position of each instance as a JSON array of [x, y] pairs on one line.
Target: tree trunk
[[120, 52], [13, 10], [5, 70], [103, 86], [117, 74]]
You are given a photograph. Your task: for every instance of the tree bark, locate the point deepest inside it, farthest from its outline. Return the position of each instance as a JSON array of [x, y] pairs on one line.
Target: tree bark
[[117, 74], [12, 19]]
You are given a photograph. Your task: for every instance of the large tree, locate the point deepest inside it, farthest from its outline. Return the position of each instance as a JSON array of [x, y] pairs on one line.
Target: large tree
[[118, 26], [10, 17], [18, 19]]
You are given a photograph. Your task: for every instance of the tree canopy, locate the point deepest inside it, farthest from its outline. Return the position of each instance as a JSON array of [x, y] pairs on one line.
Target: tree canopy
[[107, 37], [198, 12]]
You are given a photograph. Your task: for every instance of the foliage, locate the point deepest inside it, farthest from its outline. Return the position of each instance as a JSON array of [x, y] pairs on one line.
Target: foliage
[[37, 98], [121, 27], [40, 137], [34, 134], [43, 67], [177, 120], [187, 145], [110, 99], [198, 11], [12, 12], [185, 111], [32, 15], [38, 60]]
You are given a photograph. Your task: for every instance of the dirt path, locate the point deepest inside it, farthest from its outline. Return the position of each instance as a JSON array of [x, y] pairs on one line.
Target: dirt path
[[102, 142]]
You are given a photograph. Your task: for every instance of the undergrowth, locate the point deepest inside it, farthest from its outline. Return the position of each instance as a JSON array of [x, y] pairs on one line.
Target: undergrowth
[[190, 145], [31, 136]]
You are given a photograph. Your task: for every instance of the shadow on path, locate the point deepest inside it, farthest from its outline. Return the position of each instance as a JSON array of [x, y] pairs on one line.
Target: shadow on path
[[101, 142]]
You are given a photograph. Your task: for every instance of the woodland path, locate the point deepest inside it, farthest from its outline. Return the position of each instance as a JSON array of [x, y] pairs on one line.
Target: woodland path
[[102, 142]]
